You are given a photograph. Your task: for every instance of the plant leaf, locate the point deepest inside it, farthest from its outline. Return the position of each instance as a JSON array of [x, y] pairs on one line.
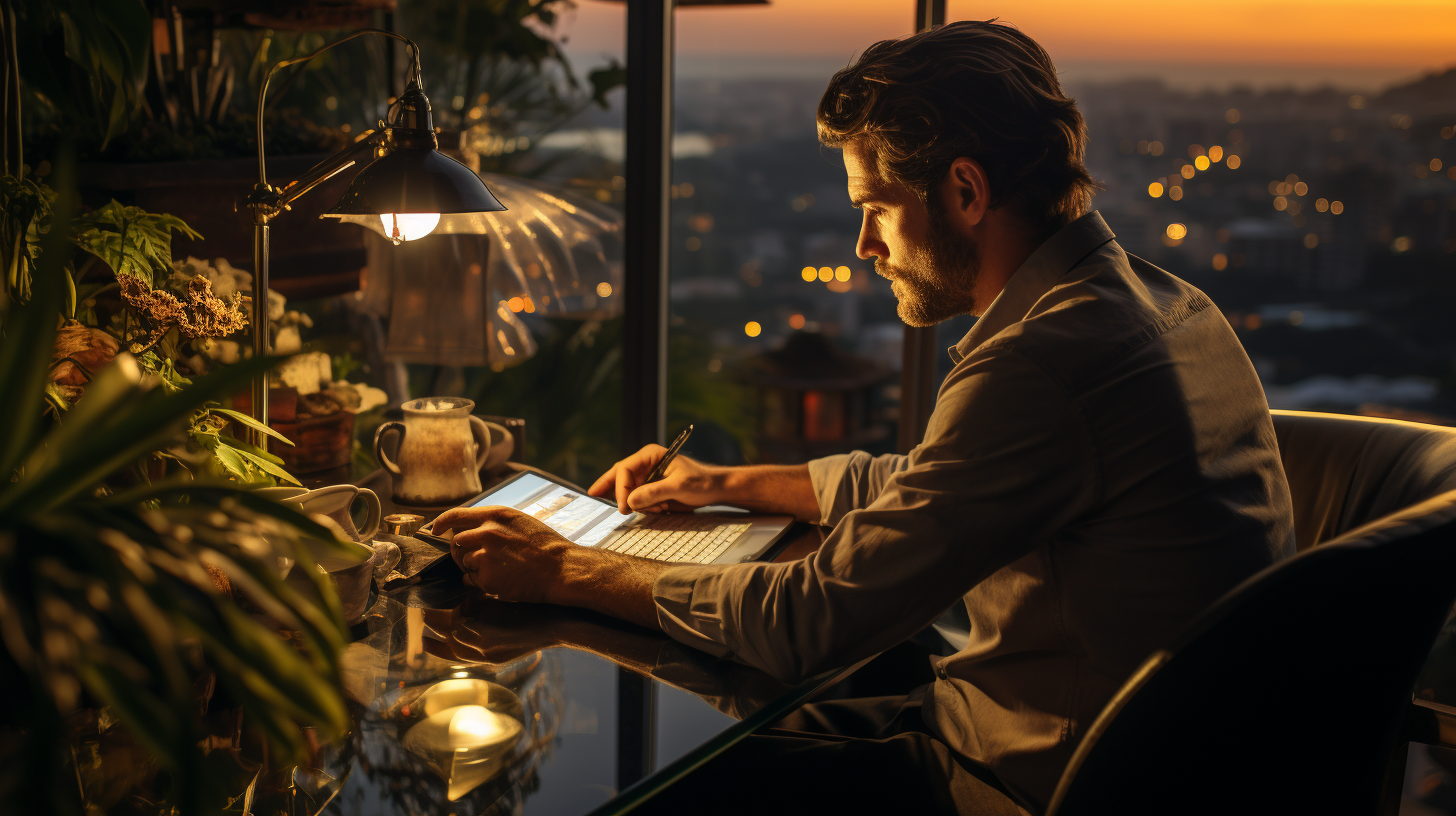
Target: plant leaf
[[141, 426], [29, 336], [249, 422], [263, 464]]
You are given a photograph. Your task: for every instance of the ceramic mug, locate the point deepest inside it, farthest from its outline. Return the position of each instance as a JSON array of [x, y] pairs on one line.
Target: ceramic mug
[[330, 506], [333, 501], [442, 450]]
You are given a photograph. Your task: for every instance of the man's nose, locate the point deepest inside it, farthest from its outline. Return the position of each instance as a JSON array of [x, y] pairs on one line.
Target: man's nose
[[868, 246]]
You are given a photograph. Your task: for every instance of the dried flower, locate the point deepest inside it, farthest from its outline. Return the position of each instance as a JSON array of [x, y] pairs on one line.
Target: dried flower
[[203, 315]]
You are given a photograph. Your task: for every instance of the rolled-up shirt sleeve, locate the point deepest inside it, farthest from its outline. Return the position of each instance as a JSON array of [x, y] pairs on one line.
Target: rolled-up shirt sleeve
[[851, 481], [1007, 460]]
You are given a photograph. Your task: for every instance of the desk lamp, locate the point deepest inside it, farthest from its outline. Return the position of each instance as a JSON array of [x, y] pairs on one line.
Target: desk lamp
[[407, 191]]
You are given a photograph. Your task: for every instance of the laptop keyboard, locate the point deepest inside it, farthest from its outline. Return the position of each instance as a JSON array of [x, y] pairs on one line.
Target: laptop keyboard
[[683, 538]]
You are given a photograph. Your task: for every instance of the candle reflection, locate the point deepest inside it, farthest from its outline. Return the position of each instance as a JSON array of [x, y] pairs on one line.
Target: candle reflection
[[467, 733]]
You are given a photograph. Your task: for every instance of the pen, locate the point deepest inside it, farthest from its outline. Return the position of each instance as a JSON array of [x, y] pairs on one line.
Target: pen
[[661, 469]]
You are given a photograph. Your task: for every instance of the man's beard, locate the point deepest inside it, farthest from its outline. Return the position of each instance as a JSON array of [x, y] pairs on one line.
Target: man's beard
[[938, 282]]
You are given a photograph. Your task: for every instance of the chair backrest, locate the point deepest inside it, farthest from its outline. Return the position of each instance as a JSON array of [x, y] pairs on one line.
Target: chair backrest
[[1345, 471], [1287, 695]]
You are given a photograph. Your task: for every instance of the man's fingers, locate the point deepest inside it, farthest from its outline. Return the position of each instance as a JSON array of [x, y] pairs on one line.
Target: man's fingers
[[471, 540], [603, 485], [655, 493], [464, 518], [625, 483]]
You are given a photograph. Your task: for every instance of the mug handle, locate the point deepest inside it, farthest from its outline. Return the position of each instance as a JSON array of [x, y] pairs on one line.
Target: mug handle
[[490, 456], [379, 446], [505, 445], [374, 512], [480, 429]]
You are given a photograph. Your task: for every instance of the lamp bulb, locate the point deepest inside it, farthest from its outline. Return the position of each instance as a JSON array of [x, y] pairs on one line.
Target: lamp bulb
[[401, 227]]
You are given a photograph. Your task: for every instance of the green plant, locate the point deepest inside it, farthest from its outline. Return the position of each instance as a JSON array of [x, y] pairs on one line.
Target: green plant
[[85, 62], [107, 594], [498, 72], [128, 240], [136, 247]]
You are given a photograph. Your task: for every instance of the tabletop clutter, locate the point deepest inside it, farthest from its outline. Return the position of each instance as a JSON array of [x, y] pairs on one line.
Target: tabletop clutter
[[440, 453]]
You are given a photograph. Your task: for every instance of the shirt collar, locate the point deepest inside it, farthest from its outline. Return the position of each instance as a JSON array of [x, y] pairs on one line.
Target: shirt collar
[[1035, 277]]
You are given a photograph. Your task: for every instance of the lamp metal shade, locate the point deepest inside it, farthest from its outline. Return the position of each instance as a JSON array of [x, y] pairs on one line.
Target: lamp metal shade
[[414, 180]]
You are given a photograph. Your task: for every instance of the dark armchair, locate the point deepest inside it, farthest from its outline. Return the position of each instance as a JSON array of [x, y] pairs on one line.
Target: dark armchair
[[1293, 694]]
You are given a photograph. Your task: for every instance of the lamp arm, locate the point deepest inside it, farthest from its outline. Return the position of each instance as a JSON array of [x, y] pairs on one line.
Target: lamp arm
[[263, 91], [330, 167]]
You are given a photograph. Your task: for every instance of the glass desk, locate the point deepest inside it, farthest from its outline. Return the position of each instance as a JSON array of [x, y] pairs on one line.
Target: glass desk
[[463, 705]]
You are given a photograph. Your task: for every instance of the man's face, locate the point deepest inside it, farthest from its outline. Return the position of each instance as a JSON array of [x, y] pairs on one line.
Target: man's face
[[932, 268]]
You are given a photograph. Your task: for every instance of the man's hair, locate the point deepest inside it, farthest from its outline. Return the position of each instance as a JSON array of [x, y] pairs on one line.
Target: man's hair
[[978, 89]]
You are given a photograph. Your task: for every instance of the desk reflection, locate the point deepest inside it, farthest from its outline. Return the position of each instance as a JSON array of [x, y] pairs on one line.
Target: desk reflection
[[490, 633], [494, 708]]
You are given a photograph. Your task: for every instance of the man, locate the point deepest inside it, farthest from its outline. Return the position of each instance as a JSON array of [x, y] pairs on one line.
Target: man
[[1100, 466]]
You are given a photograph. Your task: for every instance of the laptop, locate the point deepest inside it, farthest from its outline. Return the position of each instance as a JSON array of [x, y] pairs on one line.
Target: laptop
[[718, 535]]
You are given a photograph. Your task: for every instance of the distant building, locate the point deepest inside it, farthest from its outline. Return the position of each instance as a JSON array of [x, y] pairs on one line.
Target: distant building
[[815, 399], [1268, 248], [1318, 257]]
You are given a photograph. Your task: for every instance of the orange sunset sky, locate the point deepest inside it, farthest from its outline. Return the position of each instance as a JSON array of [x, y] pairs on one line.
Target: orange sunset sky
[[1390, 37]]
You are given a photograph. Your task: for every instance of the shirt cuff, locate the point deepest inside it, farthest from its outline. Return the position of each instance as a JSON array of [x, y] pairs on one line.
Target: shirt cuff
[[700, 628]]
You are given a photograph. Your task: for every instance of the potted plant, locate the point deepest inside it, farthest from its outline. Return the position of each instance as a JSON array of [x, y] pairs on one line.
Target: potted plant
[[116, 588]]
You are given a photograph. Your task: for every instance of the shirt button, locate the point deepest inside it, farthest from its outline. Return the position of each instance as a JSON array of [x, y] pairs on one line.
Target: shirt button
[[940, 671]]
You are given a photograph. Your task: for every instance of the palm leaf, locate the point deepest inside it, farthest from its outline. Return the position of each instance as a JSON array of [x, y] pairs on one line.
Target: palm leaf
[[23, 371], [253, 424], [262, 462], [143, 425]]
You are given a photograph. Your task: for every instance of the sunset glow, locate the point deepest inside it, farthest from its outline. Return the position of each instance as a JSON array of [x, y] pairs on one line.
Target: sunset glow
[[1414, 34]]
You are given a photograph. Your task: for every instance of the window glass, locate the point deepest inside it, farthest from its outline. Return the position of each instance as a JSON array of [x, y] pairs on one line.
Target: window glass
[[1293, 160], [784, 345]]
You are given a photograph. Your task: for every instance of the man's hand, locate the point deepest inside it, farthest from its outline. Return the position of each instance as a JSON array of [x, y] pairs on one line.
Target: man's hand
[[687, 485], [505, 553], [509, 555]]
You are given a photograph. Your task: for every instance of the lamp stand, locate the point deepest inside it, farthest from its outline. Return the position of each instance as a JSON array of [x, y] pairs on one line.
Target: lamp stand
[[260, 320], [266, 201]]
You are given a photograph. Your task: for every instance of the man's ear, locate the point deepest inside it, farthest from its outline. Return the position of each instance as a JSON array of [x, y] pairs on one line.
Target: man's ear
[[967, 195]]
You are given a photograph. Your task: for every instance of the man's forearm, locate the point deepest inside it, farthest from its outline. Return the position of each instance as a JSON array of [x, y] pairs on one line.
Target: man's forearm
[[607, 582], [773, 489]]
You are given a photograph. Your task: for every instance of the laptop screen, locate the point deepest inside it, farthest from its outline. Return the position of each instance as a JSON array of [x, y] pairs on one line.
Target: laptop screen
[[575, 515]]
